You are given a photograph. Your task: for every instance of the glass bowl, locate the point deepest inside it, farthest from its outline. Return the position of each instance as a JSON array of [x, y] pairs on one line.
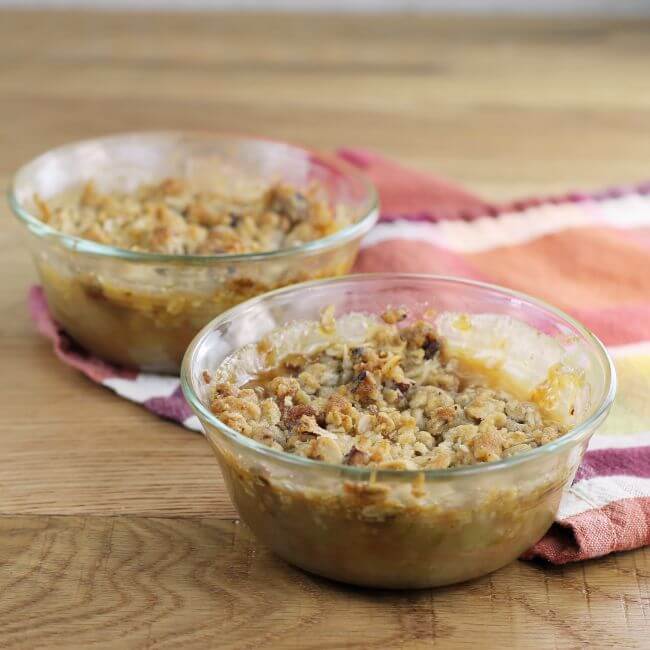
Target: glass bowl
[[141, 310], [392, 528]]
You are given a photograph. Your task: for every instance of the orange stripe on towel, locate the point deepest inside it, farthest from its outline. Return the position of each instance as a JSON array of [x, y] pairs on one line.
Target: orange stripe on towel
[[579, 268]]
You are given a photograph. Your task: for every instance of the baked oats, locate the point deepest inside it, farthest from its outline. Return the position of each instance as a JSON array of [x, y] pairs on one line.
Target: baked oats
[[394, 402], [143, 314], [172, 217]]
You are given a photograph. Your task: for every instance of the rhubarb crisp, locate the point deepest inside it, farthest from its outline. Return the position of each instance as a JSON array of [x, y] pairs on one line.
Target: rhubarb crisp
[[395, 401], [172, 217], [142, 313]]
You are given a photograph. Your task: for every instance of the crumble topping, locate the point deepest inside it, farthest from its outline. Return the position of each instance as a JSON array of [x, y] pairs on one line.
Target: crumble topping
[[394, 402], [171, 217]]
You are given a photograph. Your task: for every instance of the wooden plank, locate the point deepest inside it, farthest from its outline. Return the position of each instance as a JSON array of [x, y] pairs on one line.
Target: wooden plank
[[466, 97], [137, 582], [149, 555]]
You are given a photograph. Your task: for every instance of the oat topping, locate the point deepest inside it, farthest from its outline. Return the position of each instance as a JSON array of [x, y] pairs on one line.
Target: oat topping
[[173, 218], [394, 402]]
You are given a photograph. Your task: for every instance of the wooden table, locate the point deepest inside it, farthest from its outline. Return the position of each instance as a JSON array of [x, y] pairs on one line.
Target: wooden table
[[115, 530]]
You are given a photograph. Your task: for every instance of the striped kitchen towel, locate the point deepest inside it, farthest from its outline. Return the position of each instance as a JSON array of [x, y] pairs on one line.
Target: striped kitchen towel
[[589, 254]]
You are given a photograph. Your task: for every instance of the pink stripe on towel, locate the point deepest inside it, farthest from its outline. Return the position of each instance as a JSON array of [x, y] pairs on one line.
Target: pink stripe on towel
[[618, 526]]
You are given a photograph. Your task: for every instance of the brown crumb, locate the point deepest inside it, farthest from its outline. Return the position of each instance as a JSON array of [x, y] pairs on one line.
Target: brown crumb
[[356, 457], [294, 414], [430, 347], [394, 315], [294, 361]]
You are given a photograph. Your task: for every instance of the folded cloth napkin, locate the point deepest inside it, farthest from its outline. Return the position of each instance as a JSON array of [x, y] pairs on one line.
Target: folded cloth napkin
[[589, 254]]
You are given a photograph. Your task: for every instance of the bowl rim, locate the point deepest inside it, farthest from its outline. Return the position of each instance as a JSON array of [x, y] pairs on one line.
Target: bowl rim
[[359, 473], [370, 210]]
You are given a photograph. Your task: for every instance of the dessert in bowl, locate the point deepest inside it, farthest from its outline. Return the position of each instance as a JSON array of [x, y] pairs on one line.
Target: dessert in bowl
[[140, 239], [397, 430]]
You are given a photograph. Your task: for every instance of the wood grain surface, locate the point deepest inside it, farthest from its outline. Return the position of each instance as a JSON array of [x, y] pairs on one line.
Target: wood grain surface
[[115, 530], [201, 582]]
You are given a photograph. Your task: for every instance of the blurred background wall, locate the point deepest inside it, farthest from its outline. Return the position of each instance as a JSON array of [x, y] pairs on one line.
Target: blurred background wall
[[546, 7]]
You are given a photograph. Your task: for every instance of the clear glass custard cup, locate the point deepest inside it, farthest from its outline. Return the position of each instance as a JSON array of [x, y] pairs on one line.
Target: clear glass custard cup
[[397, 528], [141, 309]]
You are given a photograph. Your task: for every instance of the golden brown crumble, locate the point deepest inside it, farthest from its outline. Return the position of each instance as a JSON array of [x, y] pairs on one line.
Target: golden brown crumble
[[172, 217], [394, 402]]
